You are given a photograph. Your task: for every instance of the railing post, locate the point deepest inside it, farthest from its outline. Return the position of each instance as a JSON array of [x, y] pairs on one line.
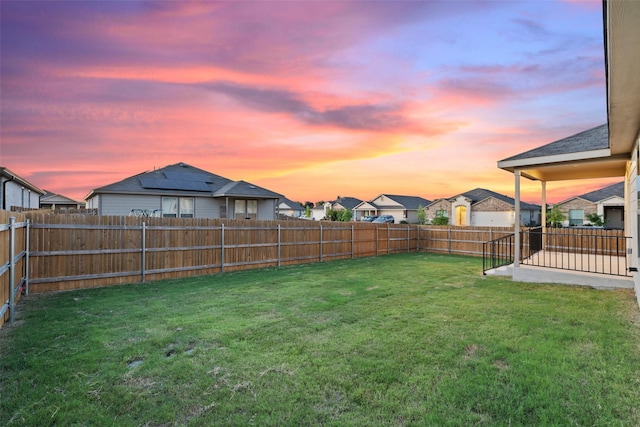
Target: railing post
[[143, 261], [222, 248], [26, 259], [278, 245], [12, 269]]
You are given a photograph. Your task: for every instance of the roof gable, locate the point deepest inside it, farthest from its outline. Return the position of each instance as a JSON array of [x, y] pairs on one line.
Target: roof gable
[[616, 189], [347, 202], [478, 195], [400, 202]]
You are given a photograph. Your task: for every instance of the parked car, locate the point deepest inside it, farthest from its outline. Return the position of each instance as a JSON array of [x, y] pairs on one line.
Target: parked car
[[384, 219], [369, 218]]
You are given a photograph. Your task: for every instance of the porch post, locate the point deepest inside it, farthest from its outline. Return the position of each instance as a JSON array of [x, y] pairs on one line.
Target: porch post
[[516, 224], [543, 218]]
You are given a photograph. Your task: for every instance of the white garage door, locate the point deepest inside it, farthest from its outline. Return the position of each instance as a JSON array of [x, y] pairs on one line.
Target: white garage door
[[492, 219]]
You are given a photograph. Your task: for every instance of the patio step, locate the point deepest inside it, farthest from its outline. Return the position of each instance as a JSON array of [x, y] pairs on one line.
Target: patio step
[[505, 270]]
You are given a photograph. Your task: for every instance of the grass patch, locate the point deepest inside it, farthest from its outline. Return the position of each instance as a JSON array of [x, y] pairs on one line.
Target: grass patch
[[396, 340]]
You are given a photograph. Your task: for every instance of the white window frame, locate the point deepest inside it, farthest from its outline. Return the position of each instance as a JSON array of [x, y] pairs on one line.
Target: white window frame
[[573, 219], [245, 209], [180, 207]]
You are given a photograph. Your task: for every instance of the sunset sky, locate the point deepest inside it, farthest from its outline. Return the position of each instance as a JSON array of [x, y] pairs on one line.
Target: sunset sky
[[309, 99]]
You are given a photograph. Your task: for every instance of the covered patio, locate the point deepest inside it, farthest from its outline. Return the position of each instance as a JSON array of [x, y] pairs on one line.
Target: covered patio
[[608, 150]]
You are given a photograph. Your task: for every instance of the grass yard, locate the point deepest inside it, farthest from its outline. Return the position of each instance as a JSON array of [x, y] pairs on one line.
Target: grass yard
[[407, 339]]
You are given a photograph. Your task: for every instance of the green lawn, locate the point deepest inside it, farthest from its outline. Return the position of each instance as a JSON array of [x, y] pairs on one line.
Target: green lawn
[[407, 339]]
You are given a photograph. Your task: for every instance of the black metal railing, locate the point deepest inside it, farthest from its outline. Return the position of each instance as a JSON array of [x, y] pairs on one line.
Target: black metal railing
[[585, 250], [592, 251], [498, 252]]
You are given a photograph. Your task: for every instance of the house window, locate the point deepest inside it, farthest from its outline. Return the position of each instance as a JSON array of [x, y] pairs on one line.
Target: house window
[[246, 209], [170, 207], [186, 207], [576, 216]]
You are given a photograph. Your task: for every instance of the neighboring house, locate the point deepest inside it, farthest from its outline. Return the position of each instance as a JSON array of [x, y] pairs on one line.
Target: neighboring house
[[483, 208], [56, 201], [341, 203], [182, 190], [17, 193], [609, 150], [320, 212], [402, 208], [608, 202], [348, 203], [290, 208]]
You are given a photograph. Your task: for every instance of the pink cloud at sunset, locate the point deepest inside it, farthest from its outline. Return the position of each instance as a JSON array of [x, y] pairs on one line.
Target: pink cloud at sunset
[[309, 99]]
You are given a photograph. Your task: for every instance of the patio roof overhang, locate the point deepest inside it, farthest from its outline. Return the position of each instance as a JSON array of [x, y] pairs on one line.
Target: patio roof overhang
[[583, 165]]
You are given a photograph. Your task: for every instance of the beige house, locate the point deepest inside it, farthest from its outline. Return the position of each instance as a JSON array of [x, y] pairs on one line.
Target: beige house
[[610, 150], [401, 208], [483, 208], [607, 202]]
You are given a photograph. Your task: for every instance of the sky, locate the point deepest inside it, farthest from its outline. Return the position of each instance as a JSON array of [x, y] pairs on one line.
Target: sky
[[310, 99]]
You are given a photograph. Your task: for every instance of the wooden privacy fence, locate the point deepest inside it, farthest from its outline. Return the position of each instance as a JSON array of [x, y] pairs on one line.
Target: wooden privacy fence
[[61, 252], [459, 240], [582, 240], [75, 251], [14, 249]]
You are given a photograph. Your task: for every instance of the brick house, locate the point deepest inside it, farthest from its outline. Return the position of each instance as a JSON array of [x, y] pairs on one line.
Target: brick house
[[483, 208], [608, 202]]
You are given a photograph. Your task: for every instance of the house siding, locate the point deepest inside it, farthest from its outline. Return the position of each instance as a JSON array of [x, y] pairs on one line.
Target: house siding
[[631, 216], [121, 204], [492, 205], [14, 194]]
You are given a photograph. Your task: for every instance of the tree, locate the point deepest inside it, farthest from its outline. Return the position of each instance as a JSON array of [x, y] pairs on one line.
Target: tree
[[307, 211], [421, 214], [595, 219], [555, 217], [345, 215], [441, 218]]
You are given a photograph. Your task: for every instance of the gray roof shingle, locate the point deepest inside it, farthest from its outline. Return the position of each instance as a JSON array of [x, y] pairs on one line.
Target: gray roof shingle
[[612, 190], [596, 138], [479, 194]]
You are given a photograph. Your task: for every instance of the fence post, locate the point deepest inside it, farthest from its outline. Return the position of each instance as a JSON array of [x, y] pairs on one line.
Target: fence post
[[278, 245], [449, 240], [377, 239], [419, 229], [388, 239], [408, 237], [222, 248], [26, 259], [143, 266], [352, 241], [320, 242], [12, 269]]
